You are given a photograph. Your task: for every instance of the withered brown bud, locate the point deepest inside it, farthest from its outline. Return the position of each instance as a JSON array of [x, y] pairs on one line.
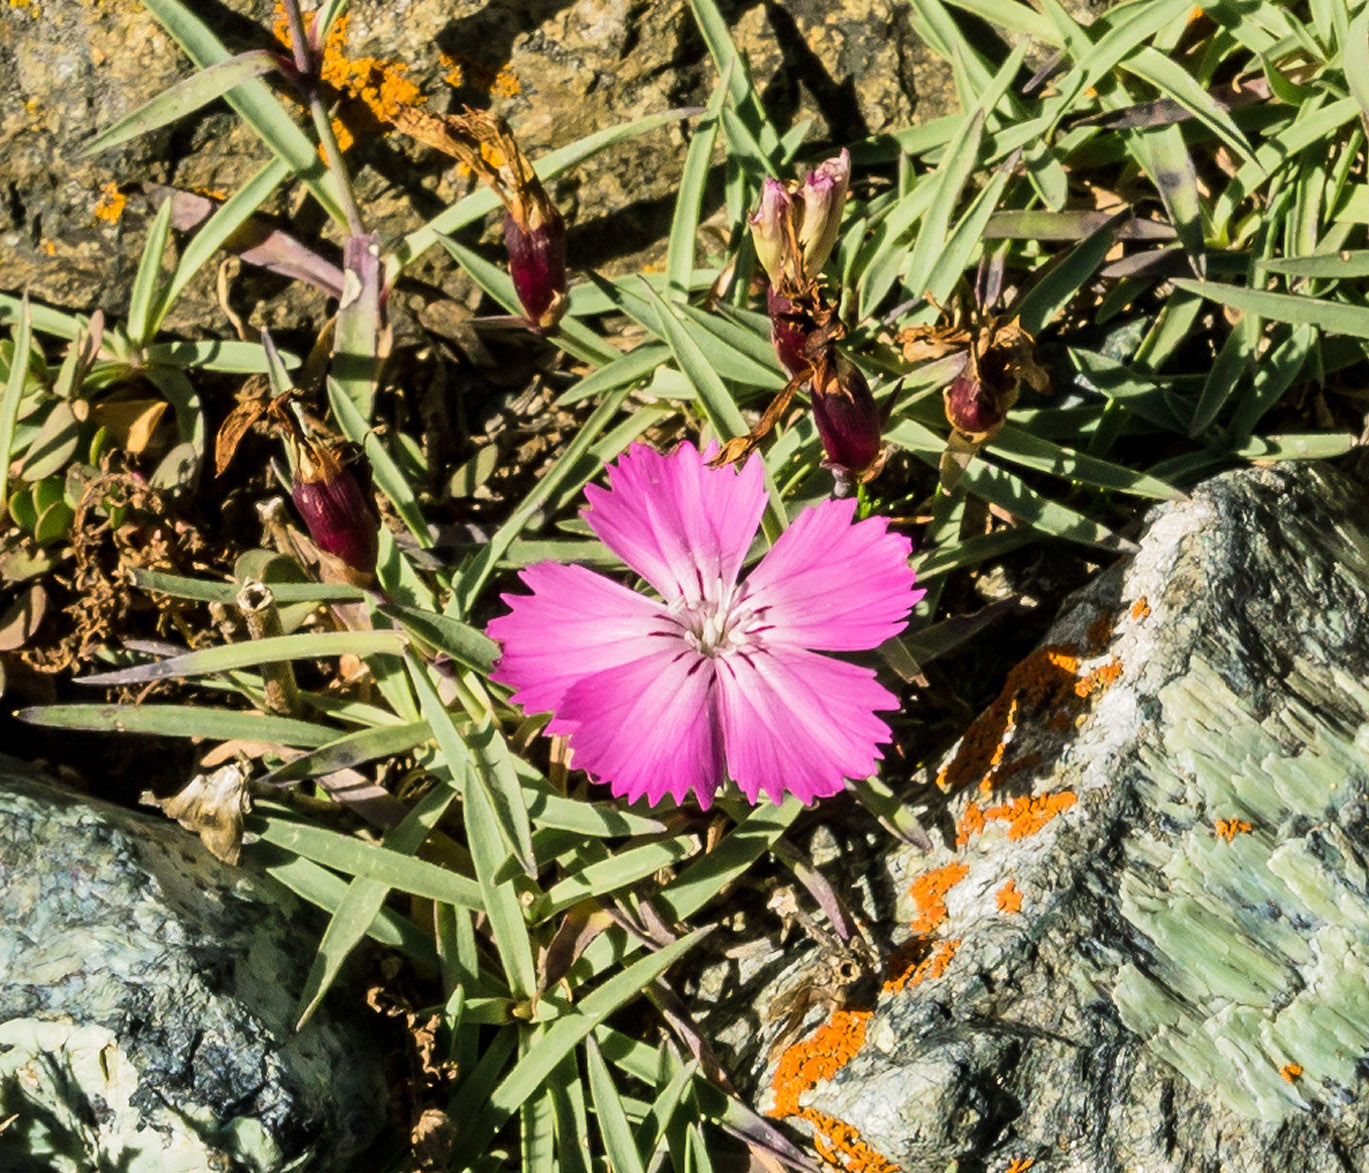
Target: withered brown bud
[[537, 264], [973, 406], [337, 509], [787, 331], [849, 422]]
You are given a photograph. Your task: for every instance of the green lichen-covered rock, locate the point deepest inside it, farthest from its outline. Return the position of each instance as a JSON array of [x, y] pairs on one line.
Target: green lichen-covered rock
[[146, 999], [1145, 925]]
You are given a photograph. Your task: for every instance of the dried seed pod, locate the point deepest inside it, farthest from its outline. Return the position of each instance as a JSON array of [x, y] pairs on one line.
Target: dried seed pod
[[337, 509], [848, 420]]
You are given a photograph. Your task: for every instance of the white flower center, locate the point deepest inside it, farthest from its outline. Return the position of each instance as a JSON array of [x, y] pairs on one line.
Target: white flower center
[[721, 622]]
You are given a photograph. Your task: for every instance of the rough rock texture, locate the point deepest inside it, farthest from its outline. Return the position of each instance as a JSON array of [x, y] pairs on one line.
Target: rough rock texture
[[557, 69], [1142, 941], [146, 997]]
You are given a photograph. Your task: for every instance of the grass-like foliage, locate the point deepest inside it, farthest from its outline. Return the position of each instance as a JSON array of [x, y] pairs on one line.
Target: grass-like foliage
[[1151, 226]]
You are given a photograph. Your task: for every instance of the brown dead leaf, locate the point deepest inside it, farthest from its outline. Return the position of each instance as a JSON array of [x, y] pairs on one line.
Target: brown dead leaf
[[23, 618], [211, 805], [130, 423]]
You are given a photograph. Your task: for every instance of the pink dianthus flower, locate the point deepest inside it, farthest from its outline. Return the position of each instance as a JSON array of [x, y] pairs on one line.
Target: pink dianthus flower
[[717, 678]]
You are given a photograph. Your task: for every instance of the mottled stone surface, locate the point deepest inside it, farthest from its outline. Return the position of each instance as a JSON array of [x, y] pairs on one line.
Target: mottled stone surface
[[146, 997], [1142, 939], [557, 69]]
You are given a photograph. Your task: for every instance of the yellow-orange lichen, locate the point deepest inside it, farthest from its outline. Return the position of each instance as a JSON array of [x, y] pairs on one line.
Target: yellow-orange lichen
[[1228, 829], [381, 85], [1020, 1165], [1100, 678], [929, 894], [930, 966], [1291, 1071], [1009, 898], [1025, 815], [1046, 678], [498, 81], [829, 1048], [1140, 609], [110, 206]]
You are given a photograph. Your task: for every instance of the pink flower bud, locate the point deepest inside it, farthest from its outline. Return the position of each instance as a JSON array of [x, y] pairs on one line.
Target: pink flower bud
[[537, 264], [340, 514], [849, 423], [770, 228], [824, 199]]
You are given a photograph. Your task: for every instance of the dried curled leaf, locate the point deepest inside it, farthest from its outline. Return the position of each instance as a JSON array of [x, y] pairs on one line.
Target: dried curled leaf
[[213, 806]]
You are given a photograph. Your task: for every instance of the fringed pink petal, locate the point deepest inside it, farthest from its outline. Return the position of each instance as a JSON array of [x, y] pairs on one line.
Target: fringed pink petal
[[833, 586], [684, 527], [649, 728], [797, 722], [575, 623]]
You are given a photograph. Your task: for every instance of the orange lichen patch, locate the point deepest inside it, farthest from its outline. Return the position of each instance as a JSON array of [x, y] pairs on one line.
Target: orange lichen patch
[[1099, 679], [1020, 1165], [1228, 829], [1025, 815], [841, 1145], [1140, 609], [47, 247], [1046, 678], [930, 966], [817, 1058], [1009, 898], [1291, 1071], [929, 894], [829, 1048], [381, 85], [1099, 632], [110, 206], [499, 81]]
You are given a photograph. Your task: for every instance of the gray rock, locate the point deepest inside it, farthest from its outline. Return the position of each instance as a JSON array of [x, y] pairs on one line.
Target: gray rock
[[146, 998], [1143, 937]]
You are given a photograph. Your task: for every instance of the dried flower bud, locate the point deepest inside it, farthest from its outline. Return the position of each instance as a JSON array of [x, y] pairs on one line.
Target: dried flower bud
[[824, 199], [771, 228], [974, 406], [338, 511], [788, 333], [849, 423], [537, 264]]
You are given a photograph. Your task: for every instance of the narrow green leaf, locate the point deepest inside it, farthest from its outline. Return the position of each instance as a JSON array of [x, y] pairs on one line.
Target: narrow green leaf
[[181, 721], [1232, 365], [463, 643], [364, 899], [185, 97], [351, 750], [730, 66], [1020, 446], [327, 891], [14, 392], [1343, 265], [251, 653], [142, 302], [566, 1091], [1332, 317], [714, 397], [500, 898], [224, 592], [620, 372], [254, 101], [532, 1070], [619, 1146], [353, 857], [622, 868], [744, 844], [1052, 292], [237, 358], [684, 225]]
